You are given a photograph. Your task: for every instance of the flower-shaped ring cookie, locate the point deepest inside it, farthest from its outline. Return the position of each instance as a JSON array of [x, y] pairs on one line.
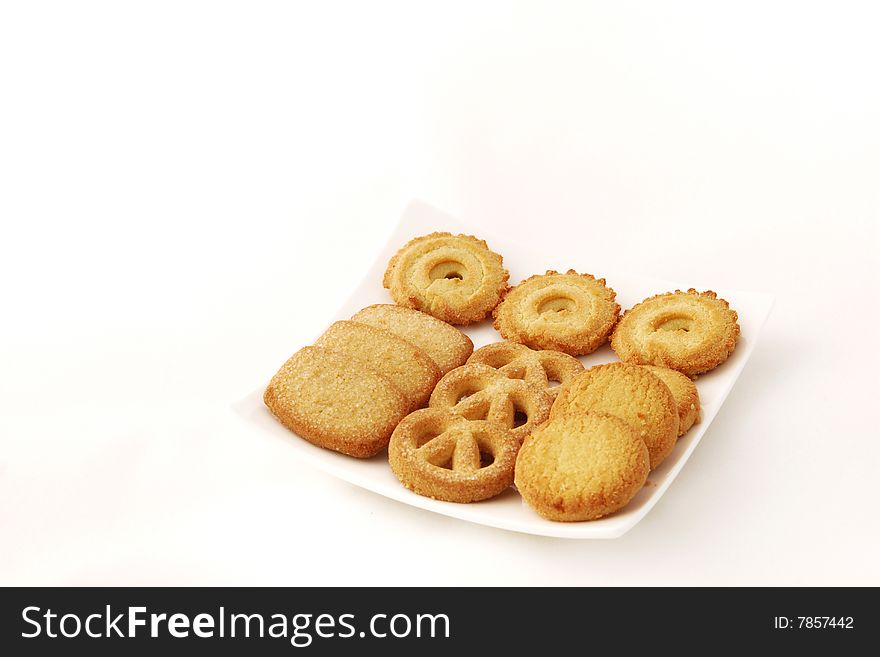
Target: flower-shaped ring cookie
[[692, 332], [573, 313], [455, 278]]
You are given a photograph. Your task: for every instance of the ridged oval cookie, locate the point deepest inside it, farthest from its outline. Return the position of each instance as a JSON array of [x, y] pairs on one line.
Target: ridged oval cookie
[[691, 332], [445, 344], [331, 401], [455, 278], [631, 393], [405, 365], [581, 467], [572, 313], [684, 390], [442, 455]]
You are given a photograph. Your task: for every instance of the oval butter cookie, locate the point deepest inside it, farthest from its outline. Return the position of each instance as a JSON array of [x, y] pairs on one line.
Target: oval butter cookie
[[629, 392], [572, 313], [581, 467], [455, 278], [684, 390], [445, 344], [409, 368], [691, 332]]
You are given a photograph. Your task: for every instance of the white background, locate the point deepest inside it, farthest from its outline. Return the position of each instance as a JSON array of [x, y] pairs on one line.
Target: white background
[[189, 190]]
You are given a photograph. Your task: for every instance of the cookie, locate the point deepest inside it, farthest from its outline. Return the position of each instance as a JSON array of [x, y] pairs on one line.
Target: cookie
[[329, 400], [445, 344], [442, 455], [691, 332], [572, 313], [631, 393], [407, 366], [581, 467], [684, 391], [545, 368], [479, 392], [455, 278]]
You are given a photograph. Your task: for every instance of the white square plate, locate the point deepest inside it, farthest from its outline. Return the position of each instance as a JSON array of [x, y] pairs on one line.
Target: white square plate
[[507, 511]]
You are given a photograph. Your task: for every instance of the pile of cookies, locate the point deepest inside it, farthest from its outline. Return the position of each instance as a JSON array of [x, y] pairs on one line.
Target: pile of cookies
[[463, 425], [350, 389]]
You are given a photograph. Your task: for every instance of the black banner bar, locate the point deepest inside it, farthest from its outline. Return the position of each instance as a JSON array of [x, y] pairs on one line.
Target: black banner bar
[[172, 621]]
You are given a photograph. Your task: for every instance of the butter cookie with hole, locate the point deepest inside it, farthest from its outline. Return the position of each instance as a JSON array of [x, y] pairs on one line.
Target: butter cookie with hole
[[455, 278], [692, 332], [572, 313]]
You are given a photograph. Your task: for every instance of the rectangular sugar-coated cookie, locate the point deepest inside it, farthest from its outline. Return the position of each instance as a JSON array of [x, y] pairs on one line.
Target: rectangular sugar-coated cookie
[[409, 368], [445, 344], [335, 402]]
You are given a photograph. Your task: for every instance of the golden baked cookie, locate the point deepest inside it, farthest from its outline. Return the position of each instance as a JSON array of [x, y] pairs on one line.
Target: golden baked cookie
[[479, 392], [405, 365], [571, 312], [455, 278], [542, 368], [333, 402], [581, 467], [691, 332], [631, 393], [684, 390], [445, 344], [438, 454]]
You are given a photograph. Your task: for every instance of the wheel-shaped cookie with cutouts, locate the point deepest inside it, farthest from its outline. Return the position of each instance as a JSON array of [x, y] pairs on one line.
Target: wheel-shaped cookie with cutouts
[[439, 454], [542, 368], [479, 392]]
